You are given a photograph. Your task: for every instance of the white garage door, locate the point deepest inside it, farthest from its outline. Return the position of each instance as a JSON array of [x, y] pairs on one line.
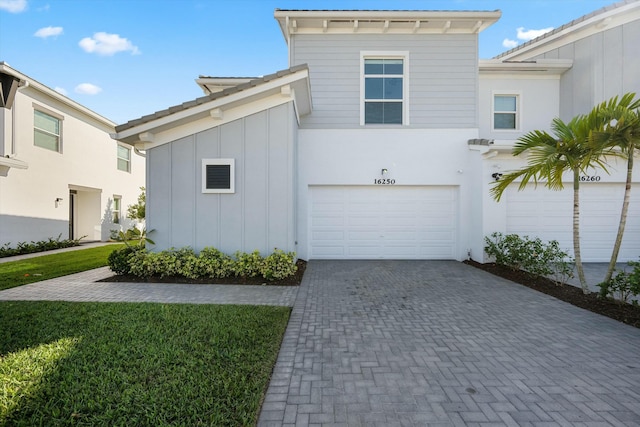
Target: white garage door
[[548, 214], [394, 222]]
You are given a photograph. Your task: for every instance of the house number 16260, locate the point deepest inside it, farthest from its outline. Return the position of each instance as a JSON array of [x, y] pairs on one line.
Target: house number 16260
[[384, 181]]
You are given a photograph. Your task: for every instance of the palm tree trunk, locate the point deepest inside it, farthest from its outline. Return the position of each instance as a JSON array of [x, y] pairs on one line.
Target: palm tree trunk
[[623, 216], [576, 230]]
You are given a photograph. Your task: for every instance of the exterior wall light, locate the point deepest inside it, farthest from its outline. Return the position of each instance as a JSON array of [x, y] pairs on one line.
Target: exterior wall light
[[383, 172], [496, 176]]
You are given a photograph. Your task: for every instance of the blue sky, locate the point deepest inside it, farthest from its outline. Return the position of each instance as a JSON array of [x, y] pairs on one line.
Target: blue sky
[[128, 58]]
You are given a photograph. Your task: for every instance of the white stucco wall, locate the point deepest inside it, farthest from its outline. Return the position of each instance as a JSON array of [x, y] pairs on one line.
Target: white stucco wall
[[86, 163], [413, 157]]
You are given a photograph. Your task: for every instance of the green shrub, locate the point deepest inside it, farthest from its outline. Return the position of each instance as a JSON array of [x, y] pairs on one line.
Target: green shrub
[[534, 256], [279, 265], [210, 263], [118, 260], [248, 264], [623, 285], [214, 264], [43, 245]]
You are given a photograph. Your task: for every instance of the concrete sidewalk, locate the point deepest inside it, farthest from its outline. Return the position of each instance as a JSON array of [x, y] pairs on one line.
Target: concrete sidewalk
[[82, 287]]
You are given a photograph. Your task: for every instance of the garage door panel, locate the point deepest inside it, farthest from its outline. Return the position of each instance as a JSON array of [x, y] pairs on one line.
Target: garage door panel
[[549, 215], [385, 222]]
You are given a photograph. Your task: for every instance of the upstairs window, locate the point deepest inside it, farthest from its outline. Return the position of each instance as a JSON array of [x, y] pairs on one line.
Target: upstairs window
[[124, 158], [505, 112], [47, 130], [384, 84]]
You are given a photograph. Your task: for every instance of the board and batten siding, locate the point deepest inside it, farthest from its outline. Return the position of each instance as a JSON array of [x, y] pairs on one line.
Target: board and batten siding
[[605, 64], [443, 77], [259, 215]]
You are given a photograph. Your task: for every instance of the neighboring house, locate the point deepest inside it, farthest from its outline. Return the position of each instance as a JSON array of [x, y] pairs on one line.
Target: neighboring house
[[381, 141], [61, 174]]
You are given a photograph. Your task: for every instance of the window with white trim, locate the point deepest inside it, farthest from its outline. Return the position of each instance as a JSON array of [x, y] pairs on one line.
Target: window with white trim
[[47, 130], [384, 94], [505, 112], [218, 176], [124, 158], [116, 209]]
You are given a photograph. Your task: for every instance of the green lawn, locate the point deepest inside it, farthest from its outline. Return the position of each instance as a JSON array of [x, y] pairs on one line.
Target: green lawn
[[135, 364], [16, 273]]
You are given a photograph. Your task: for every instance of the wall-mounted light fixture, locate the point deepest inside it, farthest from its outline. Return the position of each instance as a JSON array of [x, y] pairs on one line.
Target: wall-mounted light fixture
[[58, 200], [384, 171], [496, 176]]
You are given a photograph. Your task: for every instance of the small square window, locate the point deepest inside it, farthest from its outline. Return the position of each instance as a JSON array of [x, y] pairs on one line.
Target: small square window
[[218, 175], [47, 130], [505, 112], [124, 158]]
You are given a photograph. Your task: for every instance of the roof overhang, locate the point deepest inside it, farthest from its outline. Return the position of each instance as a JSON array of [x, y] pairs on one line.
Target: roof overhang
[[535, 67], [383, 21], [7, 163], [218, 84], [26, 81], [218, 108], [600, 20]]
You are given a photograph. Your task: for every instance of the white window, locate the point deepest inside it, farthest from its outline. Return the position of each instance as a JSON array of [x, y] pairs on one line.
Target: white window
[[124, 158], [47, 130], [505, 112], [218, 175], [384, 88], [116, 210]]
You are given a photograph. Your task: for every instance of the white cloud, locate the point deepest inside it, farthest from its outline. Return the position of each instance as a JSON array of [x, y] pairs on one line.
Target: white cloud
[[531, 34], [88, 89], [13, 6], [60, 90], [48, 32], [107, 44], [509, 44]]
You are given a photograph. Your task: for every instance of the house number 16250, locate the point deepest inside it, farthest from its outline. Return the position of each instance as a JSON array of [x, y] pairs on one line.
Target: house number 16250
[[384, 181]]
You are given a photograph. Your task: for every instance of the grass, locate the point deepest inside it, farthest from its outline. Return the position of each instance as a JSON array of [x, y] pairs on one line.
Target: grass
[[17, 273], [135, 364]]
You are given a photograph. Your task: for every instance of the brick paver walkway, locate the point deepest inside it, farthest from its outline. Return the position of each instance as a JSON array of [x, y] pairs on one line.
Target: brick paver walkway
[[82, 287], [412, 343]]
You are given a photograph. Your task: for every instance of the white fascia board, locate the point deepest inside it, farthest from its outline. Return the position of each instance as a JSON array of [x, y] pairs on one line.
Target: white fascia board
[[190, 114], [619, 16], [202, 124], [393, 22], [530, 68], [57, 96]]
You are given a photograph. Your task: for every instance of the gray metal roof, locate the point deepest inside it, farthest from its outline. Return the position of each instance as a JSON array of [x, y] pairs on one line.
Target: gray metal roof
[[567, 25], [211, 97]]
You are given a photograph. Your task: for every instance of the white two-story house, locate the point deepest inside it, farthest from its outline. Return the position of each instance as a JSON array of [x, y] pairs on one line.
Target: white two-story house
[[381, 140], [61, 174]]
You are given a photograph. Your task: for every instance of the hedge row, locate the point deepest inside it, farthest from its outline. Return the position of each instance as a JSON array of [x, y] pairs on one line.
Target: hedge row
[[209, 263]]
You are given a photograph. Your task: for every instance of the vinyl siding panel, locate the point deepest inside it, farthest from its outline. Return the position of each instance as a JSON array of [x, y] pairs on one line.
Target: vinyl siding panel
[[442, 77], [606, 64], [258, 216]]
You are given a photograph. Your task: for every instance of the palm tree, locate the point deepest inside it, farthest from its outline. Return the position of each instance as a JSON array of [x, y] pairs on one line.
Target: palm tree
[[552, 155], [621, 137]]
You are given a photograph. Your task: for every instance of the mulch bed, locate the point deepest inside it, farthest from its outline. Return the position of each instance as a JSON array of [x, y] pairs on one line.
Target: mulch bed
[[626, 313], [232, 280]]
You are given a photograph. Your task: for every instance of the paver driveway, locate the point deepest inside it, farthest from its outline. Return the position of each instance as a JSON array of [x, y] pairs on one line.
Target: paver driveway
[[441, 343]]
